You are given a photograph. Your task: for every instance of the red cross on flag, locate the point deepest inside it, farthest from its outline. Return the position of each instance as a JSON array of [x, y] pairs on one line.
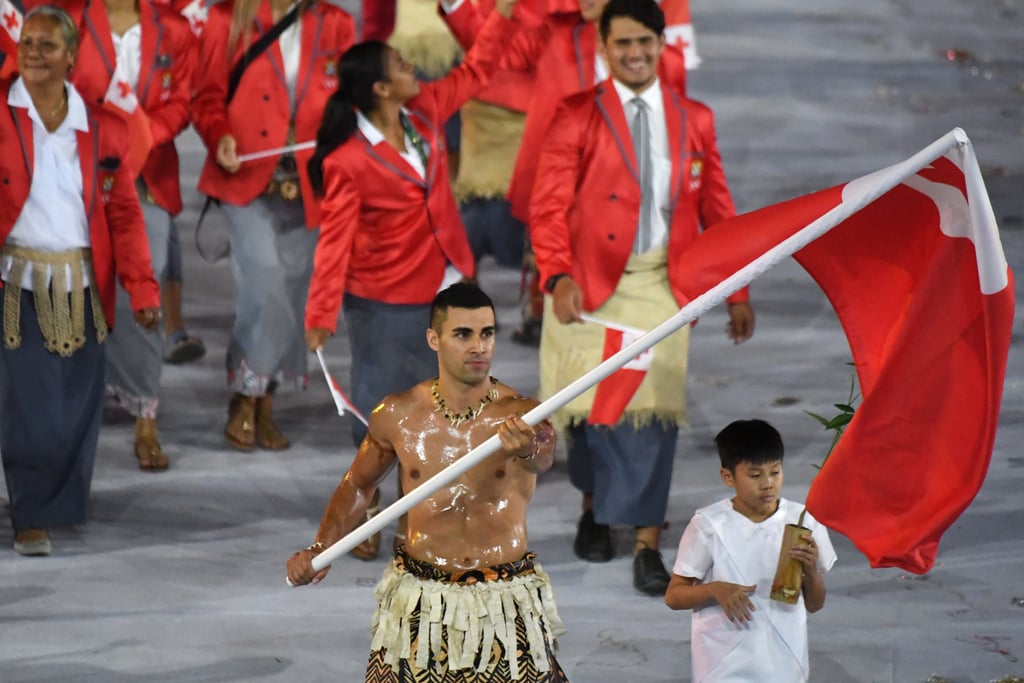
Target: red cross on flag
[[11, 18], [197, 12], [120, 99], [615, 392], [679, 30]]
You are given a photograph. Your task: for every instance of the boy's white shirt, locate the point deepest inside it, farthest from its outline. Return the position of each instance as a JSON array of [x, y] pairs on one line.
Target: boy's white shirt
[[720, 544]]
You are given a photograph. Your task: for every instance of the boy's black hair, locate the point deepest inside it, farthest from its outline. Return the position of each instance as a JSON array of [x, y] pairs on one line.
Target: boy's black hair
[[754, 441], [644, 12], [459, 295]]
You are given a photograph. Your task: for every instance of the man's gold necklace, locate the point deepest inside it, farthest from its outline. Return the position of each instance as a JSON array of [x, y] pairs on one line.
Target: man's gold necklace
[[469, 413]]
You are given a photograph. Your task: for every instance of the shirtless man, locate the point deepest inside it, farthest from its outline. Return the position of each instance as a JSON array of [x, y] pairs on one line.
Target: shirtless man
[[477, 595]]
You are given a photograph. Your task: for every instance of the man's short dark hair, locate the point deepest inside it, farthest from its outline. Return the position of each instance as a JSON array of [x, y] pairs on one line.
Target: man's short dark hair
[[459, 295], [753, 441], [645, 12]]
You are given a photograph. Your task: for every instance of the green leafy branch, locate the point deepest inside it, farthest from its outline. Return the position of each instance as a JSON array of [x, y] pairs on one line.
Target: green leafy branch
[[837, 423]]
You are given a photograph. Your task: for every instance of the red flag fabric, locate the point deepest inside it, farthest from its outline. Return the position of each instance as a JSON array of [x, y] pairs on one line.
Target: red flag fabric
[[341, 400], [196, 12], [915, 270], [615, 391], [11, 14], [679, 30], [120, 99]]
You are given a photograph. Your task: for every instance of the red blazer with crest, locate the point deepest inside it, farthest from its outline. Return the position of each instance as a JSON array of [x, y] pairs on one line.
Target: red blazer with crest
[[165, 82], [388, 234], [117, 231], [259, 113], [586, 202]]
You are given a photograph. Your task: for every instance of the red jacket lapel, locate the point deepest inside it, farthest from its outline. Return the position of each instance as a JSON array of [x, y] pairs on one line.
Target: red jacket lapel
[[26, 137], [264, 22], [152, 38], [585, 43], [610, 106], [312, 22], [87, 159], [675, 122]]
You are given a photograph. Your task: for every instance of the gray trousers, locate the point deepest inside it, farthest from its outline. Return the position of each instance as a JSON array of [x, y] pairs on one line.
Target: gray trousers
[[173, 272], [50, 412], [135, 357], [389, 351], [627, 469], [272, 262]]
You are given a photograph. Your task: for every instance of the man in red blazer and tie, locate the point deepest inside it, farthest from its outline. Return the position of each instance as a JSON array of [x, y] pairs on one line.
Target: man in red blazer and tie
[[628, 175], [561, 56]]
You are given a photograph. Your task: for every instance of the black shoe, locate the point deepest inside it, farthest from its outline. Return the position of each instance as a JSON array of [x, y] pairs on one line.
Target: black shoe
[[593, 541], [649, 575]]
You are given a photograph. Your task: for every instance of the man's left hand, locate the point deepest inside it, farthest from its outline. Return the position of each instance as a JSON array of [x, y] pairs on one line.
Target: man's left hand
[[741, 322], [517, 437]]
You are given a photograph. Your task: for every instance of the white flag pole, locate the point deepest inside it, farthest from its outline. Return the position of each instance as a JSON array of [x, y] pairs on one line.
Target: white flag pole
[[877, 184], [587, 318], [242, 158]]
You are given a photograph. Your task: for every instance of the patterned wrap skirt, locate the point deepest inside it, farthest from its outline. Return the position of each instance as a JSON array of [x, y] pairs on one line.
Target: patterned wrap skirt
[[491, 625]]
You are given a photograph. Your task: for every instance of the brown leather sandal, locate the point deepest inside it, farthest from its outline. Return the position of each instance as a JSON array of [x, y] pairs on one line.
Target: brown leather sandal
[[147, 447], [240, 430], [268, 436]]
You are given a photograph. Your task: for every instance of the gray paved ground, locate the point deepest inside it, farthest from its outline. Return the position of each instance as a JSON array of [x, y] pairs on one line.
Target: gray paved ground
[[178, 577]]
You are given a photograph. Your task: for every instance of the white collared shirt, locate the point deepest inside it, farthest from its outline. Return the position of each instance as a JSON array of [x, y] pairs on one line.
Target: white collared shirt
[[601, 72], [290, 43], [128, 51], [53, 217], [375, 137], [661, 161]]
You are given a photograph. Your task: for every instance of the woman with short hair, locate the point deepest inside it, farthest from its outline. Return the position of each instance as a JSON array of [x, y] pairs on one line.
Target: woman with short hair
[[69, 222]]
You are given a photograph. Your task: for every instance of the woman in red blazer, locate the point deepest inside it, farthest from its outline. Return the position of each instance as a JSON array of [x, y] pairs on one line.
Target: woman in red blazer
[[157, 54], [391, 236], [69, 222], [268, 202]]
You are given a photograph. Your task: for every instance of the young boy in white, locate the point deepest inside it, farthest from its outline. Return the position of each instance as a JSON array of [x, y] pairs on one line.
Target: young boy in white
[[727, 560]]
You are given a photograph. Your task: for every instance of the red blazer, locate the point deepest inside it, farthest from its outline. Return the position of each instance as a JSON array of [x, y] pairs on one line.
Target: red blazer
[[258, 115], [562, 52], [387, 234], [586, 202], [378, 19], [117, 231], [165, 82]]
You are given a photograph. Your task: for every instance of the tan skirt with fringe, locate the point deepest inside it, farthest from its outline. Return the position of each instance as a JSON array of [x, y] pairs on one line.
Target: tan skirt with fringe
[[428, 631], [490, 142], [58, 292], [423, 39]]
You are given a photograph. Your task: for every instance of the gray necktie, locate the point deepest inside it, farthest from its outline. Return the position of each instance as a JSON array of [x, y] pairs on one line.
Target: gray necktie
[[640, 130]]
